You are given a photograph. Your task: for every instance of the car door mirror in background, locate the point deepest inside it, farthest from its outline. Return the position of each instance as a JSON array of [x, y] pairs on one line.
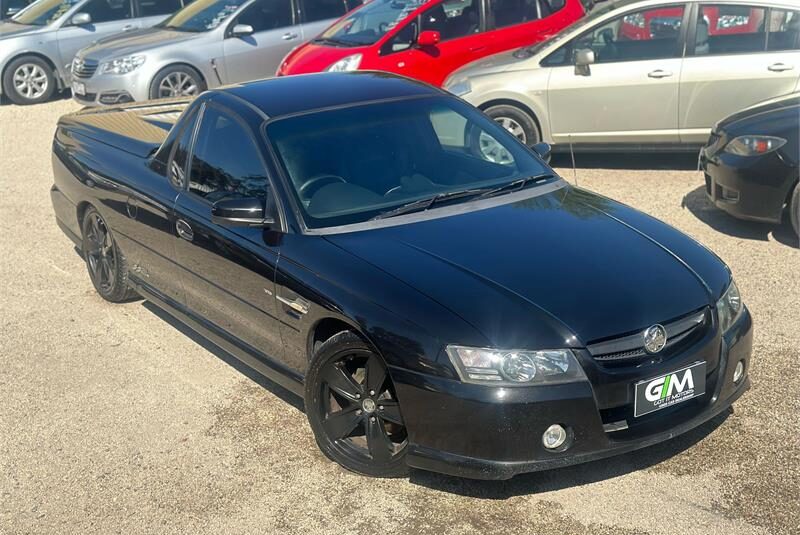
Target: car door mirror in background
[[429, 38], [242, 30], [241, 212], [81, 19], [583, 58], [543, 150]]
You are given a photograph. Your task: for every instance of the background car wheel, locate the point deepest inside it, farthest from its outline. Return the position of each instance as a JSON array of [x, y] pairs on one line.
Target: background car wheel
[[28, 80], [177, 81], [107, 268], [794, 209], [353, 409], [517, 122]]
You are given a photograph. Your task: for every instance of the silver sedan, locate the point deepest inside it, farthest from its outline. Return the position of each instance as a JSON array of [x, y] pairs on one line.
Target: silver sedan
[[654, 74]]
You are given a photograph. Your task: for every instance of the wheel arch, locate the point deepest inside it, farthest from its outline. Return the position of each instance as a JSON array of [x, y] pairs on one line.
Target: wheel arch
[[516, 104], [36, 54], [327, 327], [179, 63]]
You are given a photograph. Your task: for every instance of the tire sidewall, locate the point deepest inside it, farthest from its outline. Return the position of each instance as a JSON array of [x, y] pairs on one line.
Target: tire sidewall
[[119, 289], [528, 124], [794, 209], [8, 81], [186, 69], [331, 350]]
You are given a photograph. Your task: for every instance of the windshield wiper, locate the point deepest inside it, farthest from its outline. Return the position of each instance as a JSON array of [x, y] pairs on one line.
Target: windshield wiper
[[423, 204], [517, 185], [334, 42]]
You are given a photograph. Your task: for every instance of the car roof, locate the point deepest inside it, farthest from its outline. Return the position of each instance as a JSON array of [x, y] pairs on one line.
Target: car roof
[[288, 95]]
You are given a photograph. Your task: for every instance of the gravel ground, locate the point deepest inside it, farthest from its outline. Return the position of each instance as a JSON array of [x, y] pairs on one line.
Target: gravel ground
[[117, 419]]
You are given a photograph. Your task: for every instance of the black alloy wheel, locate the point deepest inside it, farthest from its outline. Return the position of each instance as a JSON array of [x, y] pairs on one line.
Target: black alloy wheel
[[353, 408], [107, 268]]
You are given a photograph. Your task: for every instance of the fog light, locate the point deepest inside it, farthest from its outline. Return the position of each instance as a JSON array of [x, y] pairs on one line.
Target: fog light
[[738, 373], [554, 437]]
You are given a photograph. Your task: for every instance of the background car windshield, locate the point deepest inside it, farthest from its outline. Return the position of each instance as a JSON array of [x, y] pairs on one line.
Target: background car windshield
[[202, 15], [44, 12], [369, 23], [349, 165]]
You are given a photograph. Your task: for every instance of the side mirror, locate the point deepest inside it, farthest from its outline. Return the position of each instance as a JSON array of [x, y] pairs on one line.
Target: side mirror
[[12, 11], [543, 150], [429, 38], [583, 58], [241, 212], [81, 19], [241, 30]]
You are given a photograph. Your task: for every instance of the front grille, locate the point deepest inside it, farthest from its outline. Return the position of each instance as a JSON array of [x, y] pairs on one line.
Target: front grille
[[629, 350], [83, 68]]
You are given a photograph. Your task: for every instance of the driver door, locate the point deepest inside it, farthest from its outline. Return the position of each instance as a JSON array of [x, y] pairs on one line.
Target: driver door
[[108, 17], [630, 94]]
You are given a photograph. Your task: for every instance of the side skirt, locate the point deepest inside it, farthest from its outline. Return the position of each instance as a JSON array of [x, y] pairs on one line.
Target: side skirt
[[270, 368]]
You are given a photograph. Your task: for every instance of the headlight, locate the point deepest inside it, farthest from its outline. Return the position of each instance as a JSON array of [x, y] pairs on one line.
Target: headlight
[[122, 65], [729, 307], [350, 63], [459, 86], [754, 145], [514, 367]]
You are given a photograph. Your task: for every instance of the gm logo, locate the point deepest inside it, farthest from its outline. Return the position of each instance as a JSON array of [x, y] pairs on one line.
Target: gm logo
[[664, 387]]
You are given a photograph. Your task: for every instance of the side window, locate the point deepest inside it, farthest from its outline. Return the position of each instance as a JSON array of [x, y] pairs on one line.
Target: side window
[[315, 10], [177, 165], [225, 161], [784, 30], [453, 18], [153, 8], [643, 35], [509, 12], [724, 29], [108, 10], [402, 40], [265, 15]]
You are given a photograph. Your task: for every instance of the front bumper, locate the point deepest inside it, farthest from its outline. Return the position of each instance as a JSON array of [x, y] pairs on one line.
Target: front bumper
[[746, 187], [487, 432], [110, 89]]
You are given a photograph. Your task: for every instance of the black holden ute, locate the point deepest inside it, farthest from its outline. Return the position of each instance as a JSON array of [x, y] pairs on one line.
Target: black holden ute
[[436, 293]]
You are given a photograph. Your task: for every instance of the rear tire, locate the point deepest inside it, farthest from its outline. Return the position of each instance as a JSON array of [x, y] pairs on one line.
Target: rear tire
[[177, 81], [29, 80], [794, 209], [518, 122], [353, 409], [107, 268]]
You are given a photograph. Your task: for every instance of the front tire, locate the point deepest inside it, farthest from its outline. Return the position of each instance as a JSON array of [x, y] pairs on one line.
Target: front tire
[[353, 410], [108, 270], [518, 122], [29, 80], [794, 209], [177, 81]]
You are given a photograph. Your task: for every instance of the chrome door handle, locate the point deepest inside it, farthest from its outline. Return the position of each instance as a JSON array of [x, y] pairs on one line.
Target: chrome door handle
[[298, 305], [128, 27], [184, 230], [658, 73], [780, 67], [288, 36]]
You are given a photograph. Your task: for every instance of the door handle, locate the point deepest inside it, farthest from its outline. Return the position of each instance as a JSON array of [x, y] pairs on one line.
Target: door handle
[[298, 305], [780, 67], [128, 27], [184, 230], [659, 73], [477, 48], [288, 36]]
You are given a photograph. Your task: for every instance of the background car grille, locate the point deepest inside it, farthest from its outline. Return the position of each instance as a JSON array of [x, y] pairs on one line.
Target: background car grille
[[629, 350], [83, 68]]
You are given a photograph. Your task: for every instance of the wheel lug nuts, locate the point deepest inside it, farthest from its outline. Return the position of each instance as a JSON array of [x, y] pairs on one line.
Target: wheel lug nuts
[[358, 412], [372, 419], [358, 396], [371, 392], [380, 407]]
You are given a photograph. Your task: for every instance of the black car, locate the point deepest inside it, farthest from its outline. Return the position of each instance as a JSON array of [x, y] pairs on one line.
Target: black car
[[439, 296], [751, 162]]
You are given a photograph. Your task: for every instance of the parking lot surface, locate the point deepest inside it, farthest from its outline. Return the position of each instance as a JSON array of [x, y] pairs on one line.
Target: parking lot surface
[[117, 419]]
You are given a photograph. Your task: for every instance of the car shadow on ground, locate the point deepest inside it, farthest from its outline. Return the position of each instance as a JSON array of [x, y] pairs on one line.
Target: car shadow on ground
[[62, 95], [698, 203], [572, 476], [679, 161], [279, 391]]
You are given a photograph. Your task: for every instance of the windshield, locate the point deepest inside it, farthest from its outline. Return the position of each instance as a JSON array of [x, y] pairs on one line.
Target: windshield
[[202, 15], [358, 163], [44, 12], [373, 20]]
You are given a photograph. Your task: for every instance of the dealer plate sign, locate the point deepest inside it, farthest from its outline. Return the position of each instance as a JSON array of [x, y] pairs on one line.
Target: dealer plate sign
[[670, 389]]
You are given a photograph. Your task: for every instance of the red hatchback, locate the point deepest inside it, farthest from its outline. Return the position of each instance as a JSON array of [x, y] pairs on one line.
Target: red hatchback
[[429, 39]]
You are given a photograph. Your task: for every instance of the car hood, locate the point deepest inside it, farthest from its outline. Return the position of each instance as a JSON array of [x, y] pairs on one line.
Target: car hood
[[571, 266], [10, 29], [124, 44], [787, 103], [311, 57], [506, 61]]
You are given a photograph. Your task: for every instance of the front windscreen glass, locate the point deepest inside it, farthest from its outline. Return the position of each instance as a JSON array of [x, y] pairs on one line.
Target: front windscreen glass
[[367, 24], [202, 15], [379, 160], [44, 12]]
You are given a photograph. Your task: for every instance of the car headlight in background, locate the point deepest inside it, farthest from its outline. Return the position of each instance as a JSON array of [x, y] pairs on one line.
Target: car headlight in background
[[754, 145], [729, 307], [122, 65], [458, 86], [350, 63], [514, 367]]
